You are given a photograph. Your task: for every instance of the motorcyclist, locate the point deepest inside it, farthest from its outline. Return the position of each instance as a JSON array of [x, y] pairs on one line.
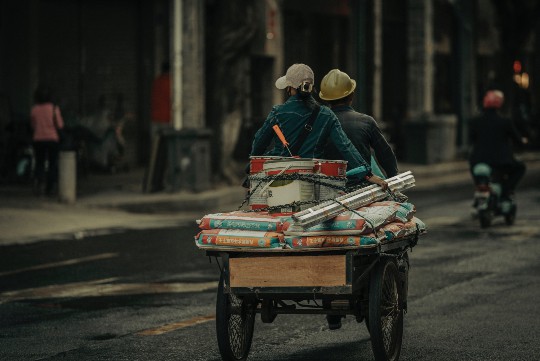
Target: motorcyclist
[[492, 136]]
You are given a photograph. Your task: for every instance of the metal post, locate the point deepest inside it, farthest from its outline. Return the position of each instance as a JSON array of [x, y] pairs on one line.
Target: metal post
[[377, 59], [420, 58], [67, 177], [466, 65], [177, 68], [361, 54]]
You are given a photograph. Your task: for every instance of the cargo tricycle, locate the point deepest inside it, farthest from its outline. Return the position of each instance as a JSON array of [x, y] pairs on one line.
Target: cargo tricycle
[[367, 282]]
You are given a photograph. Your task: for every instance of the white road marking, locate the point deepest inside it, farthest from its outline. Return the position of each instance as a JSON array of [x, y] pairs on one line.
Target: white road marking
[[441, 221], [103, 287], [177, 325], [68, 262]]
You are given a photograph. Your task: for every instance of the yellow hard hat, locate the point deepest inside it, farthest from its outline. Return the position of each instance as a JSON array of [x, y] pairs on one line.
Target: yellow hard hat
[[336, 85]]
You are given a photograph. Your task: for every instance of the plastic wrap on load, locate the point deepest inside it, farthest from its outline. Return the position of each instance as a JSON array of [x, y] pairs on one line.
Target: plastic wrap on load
[[253, 221], [360, 221], [404, 210], [238, 238], [402, 229]]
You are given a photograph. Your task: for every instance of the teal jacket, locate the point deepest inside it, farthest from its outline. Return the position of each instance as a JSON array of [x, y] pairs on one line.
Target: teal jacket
[[291, 117]]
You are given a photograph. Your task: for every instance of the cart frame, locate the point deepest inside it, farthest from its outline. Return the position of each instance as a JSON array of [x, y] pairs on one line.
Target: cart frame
[[369, 282]]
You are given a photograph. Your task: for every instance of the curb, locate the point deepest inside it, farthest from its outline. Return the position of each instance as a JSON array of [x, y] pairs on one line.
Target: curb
[[428, 177]]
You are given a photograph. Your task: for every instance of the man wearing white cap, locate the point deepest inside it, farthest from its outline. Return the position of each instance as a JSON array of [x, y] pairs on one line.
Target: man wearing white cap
[[307, 126]]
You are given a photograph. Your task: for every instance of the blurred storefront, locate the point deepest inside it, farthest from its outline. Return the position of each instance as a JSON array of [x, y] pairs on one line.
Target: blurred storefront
[[420, 64], [95, 55]]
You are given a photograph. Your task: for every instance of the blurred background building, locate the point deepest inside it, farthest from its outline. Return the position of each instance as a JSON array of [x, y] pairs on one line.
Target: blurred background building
[[421, 65]]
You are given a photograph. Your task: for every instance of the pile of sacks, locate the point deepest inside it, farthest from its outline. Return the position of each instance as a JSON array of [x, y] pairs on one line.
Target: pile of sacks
[[366, 226]]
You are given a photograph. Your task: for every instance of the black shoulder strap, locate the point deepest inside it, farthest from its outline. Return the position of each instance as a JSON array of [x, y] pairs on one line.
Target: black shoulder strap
[[305, 132], [54, 116]]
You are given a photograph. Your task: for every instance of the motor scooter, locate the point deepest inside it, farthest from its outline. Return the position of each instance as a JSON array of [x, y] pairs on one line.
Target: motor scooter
[[488, 199]]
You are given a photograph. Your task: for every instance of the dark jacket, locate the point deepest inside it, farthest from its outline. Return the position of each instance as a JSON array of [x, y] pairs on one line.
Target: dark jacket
[[491, 137], [364, 134], [291, 118]]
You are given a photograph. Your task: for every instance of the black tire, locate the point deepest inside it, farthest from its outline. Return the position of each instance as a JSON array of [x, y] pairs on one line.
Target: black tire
[[404, 265], [485, 218], [510, 218], [235, 318], [385, 311]]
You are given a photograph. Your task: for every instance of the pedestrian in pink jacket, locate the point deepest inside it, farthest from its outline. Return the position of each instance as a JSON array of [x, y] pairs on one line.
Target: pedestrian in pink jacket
[[46, 121]]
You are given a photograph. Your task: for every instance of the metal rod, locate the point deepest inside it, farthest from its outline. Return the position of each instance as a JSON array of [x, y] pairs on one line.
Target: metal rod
[[310, 311], [353, 200]]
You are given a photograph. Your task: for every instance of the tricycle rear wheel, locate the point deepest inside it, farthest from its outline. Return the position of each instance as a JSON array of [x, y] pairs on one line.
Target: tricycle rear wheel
[[235, 318], [485, 216], [385, 311], [510, 217]]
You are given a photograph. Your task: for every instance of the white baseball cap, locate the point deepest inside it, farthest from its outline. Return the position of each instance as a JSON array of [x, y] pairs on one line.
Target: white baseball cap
[[295, 76]]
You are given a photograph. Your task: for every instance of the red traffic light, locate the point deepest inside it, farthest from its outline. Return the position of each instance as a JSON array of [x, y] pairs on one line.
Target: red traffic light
[[517, 66]]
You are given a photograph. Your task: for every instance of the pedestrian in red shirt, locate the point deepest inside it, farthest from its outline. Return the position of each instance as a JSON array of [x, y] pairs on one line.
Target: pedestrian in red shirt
[[160, 122], [161, 101], [46, 121]]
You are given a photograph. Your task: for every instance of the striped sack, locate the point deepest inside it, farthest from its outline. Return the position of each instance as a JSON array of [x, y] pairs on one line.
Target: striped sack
[[238, 238]]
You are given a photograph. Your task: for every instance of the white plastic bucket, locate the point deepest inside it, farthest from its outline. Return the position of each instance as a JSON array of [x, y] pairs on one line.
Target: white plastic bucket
[[282, 192], [257, 199]]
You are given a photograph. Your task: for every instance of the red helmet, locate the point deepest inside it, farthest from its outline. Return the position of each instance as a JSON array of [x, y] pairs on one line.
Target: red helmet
[[493, 99]]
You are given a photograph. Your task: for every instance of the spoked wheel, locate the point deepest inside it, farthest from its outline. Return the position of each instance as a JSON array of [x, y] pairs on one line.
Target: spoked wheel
[[235, 318], [385, 311]]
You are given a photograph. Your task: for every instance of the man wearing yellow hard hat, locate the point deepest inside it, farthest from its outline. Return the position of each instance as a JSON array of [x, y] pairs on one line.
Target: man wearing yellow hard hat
[[337, 89]]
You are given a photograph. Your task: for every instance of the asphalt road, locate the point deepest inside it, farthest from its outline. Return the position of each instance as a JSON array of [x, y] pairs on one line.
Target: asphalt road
[[150, 295]]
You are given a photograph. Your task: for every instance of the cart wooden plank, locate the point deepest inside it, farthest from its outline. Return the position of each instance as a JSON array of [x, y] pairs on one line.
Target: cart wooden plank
[[298, 271]]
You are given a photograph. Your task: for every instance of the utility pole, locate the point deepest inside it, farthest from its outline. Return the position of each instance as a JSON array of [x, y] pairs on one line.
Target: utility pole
[[177, 76], [377, 58], [464, 10], [420, 56], [360, 40], [432, 137]]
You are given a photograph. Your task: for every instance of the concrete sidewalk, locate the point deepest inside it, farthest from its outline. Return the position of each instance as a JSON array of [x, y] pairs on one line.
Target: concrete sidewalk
[[111, 203]]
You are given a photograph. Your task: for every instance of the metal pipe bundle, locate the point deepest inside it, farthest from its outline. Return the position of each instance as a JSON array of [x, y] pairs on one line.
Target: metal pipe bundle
[[353, 200]]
